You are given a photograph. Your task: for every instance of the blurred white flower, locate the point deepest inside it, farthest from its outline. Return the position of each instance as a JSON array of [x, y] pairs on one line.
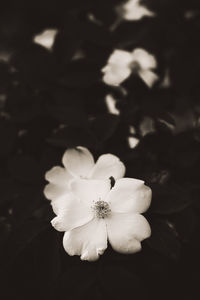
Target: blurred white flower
[[94, 213], [46, 38], [132, 10], [122, 63], [79, 163]]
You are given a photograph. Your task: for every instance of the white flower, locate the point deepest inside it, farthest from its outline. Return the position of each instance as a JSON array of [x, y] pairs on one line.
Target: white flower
[[122, 63], [94, 213], [79, 163]]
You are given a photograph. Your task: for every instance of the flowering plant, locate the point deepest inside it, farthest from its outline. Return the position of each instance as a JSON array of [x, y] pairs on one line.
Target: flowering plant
[[90, 211], [117, 217]]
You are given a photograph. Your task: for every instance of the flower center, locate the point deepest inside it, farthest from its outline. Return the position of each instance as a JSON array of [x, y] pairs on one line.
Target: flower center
[[101, 209], [135, 66]]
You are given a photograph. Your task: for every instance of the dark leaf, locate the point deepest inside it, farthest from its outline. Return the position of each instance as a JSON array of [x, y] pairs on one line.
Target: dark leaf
[[21, 238], [164, 238], [36, 65], [80, 74], [72, 137], [169, 198], [118, 282], [104, 126], [8, 137], [25, 168], [66, 106], [8, 190]]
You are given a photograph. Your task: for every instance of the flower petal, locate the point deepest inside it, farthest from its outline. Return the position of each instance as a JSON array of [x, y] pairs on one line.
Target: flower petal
[[117, 68], [54, 191], [129, 195], [106, 166], [78, 161], [89, 240], [90, 191], [149, 77], [146, 60], [115, 74], [126, 231], [120, 57], [133, 10], [71, 213], [58, 175]]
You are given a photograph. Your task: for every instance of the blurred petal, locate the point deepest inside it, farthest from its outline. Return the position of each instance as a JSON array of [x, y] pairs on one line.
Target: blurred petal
[[89, 240], [78, 161], [149, 77], [111, 105], [71, 213], [115, 75], [54, 191], [129, 195], [106, 166], [90, 191], [132, 10], [117, 68], [46, 38], [58, 175], [120, 57], [126, 231], [146, 60], [133, 142]]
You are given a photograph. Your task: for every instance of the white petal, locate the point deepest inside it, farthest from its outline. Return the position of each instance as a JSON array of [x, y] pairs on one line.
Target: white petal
[[126, 231], [149, 77], [132, 142], [133, 10], [129, 195], [78, 161], [111, 105], [58, 175], [46, 38], [120, 58], [54, 191], [89, 240], [118, 67], [106, 166], [90, 191], [146, 60], [59, 203], [115, 75], [71, 213]]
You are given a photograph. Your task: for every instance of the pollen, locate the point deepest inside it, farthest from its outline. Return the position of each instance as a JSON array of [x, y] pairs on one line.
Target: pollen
[[101, 209]]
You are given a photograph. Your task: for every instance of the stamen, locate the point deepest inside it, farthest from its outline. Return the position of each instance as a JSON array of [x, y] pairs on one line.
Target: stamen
[[101, 209]]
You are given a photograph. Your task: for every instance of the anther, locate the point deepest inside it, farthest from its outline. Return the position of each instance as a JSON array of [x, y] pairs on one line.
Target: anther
[[101, 209]]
